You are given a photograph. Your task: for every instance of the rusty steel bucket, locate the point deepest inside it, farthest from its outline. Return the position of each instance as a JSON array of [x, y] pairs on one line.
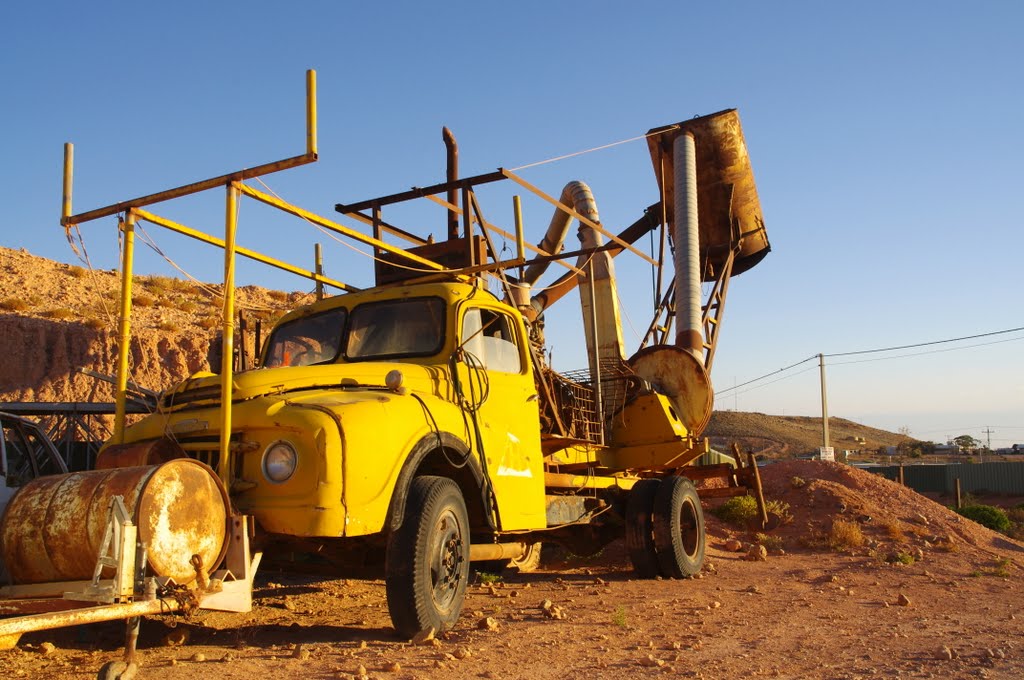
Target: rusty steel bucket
[[53, 527], [729, 211]]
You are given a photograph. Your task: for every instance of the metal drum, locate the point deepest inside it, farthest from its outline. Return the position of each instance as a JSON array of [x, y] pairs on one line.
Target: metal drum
[[148, 452], [53, 527], [729, 212]]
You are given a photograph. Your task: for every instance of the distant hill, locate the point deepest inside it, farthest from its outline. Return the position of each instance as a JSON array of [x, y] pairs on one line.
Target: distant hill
[[790, 436]]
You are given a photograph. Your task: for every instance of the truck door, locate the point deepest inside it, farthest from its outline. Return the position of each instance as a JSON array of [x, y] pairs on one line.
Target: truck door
[[497, 379]]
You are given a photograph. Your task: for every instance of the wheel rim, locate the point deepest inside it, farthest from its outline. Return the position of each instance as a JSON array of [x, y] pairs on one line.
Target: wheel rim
[[446, 559], [688, 528]]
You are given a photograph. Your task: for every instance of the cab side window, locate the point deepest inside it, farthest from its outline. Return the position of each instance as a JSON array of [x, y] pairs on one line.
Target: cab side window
[[490, 338]]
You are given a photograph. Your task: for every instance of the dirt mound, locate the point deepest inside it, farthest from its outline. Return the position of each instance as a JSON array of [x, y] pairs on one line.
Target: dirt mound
[[893, 521]]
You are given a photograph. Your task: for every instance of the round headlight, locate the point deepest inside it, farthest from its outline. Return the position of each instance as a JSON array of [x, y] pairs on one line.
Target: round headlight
[[279, 462]]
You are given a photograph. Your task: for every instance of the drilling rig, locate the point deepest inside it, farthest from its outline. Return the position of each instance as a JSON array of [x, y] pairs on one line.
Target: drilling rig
[[415, 426]]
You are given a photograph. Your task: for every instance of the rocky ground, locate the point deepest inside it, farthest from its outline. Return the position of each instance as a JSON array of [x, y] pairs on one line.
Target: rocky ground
[[923, 594]]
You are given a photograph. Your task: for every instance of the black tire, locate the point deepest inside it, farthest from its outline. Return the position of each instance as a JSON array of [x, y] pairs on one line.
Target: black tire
[[640, 527], [427, 561], [678, 528]]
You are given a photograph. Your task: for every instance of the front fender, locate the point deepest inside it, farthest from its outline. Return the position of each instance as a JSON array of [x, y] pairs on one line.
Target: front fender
[[446, 454]]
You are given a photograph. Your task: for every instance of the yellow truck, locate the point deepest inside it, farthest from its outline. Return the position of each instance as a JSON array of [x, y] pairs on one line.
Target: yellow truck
[[416, 426]]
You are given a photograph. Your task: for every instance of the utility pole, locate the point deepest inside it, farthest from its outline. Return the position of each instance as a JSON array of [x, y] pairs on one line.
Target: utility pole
[[988, 433], [824, 402]]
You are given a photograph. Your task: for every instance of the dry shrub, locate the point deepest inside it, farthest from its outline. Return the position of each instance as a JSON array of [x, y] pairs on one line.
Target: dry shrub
[[208, 322], [278, 295], [58, 313], [14, 304], [769, 542], [893, 530], [169, 326], [95, 323], [845, 535], [188, 306], [143, 300]]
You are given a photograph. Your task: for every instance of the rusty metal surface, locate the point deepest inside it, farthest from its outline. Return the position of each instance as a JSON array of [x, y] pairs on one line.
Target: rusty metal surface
[[150, 452], [28, 624], [53, 527], [678, 375], [727, 203]]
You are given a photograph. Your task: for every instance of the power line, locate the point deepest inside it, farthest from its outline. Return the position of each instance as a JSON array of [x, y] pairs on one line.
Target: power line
[[878, 350], [918, 354], [925, 344], [766, 375]]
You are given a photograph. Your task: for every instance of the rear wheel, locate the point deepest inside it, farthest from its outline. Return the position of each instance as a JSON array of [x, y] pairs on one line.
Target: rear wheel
[[678, 528], [427, 561], [640, 527]]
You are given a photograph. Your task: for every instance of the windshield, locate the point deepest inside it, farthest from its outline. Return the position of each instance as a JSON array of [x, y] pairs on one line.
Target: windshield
[[396, 328], [310, 340]]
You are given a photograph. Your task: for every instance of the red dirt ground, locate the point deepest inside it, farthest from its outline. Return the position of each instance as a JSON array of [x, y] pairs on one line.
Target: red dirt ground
[[808, 611]]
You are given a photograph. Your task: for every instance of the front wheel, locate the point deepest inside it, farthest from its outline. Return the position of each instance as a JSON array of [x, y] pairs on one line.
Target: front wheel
[[427, 561]]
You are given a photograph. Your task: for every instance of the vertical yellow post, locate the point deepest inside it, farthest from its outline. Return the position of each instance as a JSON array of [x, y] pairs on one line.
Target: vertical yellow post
[[127, 227], [69, 163], [517, 208], [311, 112], [228, 341]]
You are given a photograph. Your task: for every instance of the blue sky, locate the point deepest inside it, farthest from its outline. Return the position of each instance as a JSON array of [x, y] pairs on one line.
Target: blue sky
[[885, 138]]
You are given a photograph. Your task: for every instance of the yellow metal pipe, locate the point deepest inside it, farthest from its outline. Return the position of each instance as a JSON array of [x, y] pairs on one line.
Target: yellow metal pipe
[[193, 188], [69, 164], [497, 551], [517, 208], [311, 112], [127, 227], [335, 227], [571, 481], [244, 252], [228, 339]]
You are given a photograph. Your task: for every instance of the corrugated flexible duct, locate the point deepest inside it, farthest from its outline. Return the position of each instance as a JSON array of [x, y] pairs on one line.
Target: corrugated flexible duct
[[689, 335]]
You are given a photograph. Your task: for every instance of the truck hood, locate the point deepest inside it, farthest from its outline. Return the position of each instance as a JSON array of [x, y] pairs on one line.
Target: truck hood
[[203, 389]]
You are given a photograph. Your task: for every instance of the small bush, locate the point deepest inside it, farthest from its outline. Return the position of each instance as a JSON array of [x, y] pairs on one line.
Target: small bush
[[769, 542], [779, 508], [900, 557], [845, 535], [187, 306], [143, 300], [14, 304], [988, 516], [737, 510], [168, 326], [95, 323], [893, 530], [208, 322], [58, 313], [277, 295], [619, 616], [797, 482], [76, 271], [487, 578]]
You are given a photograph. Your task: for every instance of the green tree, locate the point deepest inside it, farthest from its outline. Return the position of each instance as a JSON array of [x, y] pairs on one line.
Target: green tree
[[967, 442]]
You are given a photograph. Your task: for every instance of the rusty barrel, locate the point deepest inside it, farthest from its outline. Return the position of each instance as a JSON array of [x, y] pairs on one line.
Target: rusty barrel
[[729, 211], [53, 528]]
